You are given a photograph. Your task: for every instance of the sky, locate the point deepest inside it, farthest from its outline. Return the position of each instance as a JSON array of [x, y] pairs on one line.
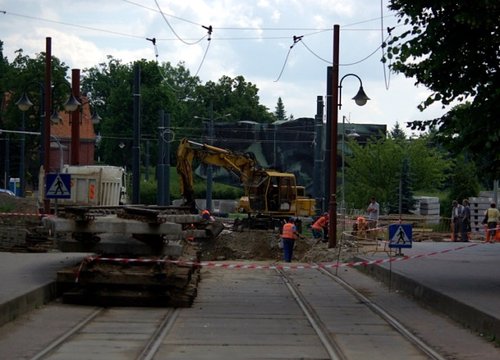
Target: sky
[[251, 38]]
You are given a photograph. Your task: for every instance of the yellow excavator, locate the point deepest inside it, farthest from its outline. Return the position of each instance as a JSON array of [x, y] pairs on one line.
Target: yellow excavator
[[269, 194]]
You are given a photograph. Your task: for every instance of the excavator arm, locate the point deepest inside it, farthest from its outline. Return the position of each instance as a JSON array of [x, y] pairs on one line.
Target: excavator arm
[[267, 192], [243, 165]]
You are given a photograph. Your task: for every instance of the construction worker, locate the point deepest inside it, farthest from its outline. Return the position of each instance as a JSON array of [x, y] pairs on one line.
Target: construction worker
[[205, 214], [319, 228], [492, 217], [288, 236]]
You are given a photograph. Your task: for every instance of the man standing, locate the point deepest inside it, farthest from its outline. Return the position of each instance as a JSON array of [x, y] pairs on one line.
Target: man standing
[[456, 214], [465, 220], [373, 214], [288, 235]]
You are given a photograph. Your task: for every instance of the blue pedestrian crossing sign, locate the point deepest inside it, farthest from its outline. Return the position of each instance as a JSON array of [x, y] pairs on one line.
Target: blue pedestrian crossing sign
[[58, 186], [400, 236]]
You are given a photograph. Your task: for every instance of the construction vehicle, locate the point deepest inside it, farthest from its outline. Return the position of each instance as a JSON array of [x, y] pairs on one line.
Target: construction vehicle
[[136, 254], [270, 195], [91, 185]]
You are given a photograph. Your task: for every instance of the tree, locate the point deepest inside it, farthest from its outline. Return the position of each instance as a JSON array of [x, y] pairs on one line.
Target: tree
[[396, 132], [27, 74], [464, 181], [280, 112], [451, 47], [377, 167], [235, 96]]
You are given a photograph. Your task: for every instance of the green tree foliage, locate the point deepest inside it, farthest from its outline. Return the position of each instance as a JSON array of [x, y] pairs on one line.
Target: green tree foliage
[[464, 181], [280, 112], [397, 133], [452, 47], [233, 96], [375, 169], [172, 89], [27, 74], [402, 199]]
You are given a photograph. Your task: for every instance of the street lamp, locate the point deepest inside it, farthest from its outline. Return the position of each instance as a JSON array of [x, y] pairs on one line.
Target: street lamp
[[24, 104], [360, 100]]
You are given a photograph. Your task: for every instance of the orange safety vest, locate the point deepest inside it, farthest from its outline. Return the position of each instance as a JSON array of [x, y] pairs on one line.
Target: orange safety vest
[[288, 231], [320, 223]]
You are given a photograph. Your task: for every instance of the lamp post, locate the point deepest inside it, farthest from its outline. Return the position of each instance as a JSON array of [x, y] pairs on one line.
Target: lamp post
[[360, 100], [71, 105]]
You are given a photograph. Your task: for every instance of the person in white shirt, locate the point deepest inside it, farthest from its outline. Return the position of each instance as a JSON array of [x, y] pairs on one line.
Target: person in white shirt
[[373, 214]]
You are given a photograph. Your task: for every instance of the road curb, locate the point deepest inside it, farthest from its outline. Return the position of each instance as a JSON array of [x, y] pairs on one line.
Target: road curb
[[27, 302], [468, 316]]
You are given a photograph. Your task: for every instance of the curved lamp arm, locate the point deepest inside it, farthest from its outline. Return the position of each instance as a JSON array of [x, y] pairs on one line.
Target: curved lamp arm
[[360, 98]]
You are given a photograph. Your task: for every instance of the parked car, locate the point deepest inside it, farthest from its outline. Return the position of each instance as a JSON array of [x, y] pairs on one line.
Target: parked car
[[7, 192]]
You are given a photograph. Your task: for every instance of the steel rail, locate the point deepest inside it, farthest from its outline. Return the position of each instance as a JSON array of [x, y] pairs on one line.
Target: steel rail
[[156, 339], [332, 348], [60, 340], [400, 328]]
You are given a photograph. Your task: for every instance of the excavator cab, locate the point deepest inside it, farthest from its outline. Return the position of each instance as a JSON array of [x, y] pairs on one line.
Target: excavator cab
[[272, 192]]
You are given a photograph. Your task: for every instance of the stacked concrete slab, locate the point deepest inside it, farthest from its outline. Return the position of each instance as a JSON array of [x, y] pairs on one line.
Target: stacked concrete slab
[[429, 208]]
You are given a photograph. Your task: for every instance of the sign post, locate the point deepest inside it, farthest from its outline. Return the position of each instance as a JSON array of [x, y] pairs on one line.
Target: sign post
[[400, 236]]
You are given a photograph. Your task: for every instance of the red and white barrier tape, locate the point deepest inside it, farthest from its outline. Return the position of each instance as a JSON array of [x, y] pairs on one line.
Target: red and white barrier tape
[[20, 214], [224, 265]]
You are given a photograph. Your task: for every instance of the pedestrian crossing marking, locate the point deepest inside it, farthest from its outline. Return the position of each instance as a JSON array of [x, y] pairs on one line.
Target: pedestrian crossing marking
[[59, 186], [400, 236]]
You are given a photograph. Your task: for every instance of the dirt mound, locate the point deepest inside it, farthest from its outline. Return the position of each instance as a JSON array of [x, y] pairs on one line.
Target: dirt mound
[[13, 204], [263, 245]]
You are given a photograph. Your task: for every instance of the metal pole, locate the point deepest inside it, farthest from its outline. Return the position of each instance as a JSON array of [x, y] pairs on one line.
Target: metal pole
[[75, 118], [46, 127], [332, 228], [209, 167], [318, 162], [328, 142], [42, 129], [166, 161], [136, 136], [343, 175], [21, 164]]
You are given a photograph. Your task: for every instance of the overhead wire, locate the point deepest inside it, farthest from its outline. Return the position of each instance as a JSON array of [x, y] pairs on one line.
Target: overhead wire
[[209, 29], [173, 30], [387, 77], [159, 67], [164, 16], [296, 39]]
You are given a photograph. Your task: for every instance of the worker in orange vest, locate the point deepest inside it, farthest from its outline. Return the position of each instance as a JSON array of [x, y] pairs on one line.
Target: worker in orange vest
[[288, 236], [319, 228]]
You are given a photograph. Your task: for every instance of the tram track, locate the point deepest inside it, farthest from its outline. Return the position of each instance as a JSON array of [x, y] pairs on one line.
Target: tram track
[[332, 346], [91, 328]]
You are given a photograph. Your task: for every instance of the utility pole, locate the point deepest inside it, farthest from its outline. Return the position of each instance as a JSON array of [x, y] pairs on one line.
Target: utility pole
[[48, 112], [332, 209], [318, 162], [75, 119], [136, 176], [209, 167]]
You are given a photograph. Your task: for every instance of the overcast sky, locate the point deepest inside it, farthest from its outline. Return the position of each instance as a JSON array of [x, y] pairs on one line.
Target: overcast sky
[[249, 38]]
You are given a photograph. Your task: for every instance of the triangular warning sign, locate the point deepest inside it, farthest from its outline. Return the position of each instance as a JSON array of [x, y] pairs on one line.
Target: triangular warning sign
[[400, 237], [58, 188]]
